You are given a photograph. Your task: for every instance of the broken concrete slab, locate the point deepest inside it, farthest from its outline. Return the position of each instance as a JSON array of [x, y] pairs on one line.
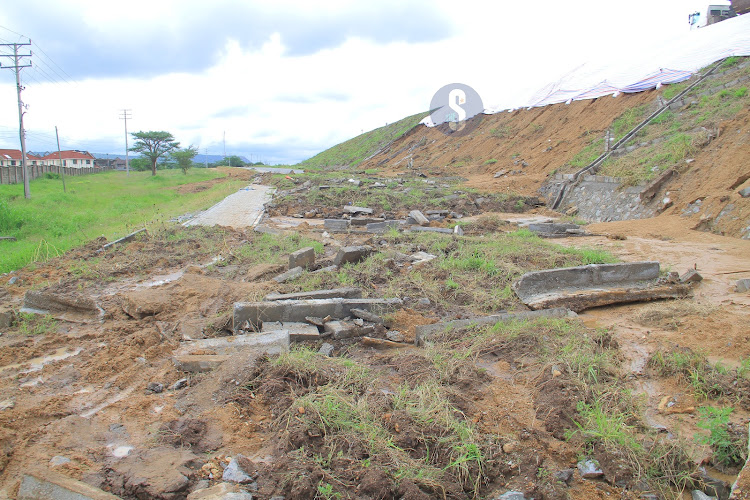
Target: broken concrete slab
[[351, 255], [742, 285], [381, 227], [424, 332], [261, 343], [198, 363], [326, 269], [336, 225], [57, 304], [47, 485], [691, 276], [304, 257], [352, 209], [556, 230], [289, 275], [382, 343], [419, 218], [363, 221], [444, 230], [124, 239], [347, 329], [345, 293], [298, 331], [583, 287], [252, 314], [367, 316]]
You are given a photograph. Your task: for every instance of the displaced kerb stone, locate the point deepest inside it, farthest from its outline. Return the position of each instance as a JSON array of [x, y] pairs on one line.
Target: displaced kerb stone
[[336, 225], [352, 255], [326, 269], [699, 495], [419, 218], [304, 257], [289, 275]]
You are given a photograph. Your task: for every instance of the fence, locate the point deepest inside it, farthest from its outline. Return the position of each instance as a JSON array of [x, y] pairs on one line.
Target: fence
[[14, 175]]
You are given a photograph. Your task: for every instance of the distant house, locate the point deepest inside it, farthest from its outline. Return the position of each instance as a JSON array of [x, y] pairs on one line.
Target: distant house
[[72, 158], [12, 158]]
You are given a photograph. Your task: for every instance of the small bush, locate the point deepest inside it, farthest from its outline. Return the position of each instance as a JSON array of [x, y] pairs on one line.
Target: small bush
[[728, 447]]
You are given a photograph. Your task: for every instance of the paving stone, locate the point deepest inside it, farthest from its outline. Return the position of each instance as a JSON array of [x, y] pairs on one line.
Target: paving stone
[[347, 255], [304, 257], [198, 363], [289, 275], [419, 218]]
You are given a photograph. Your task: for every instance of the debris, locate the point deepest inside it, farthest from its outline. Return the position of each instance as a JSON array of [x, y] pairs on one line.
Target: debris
[[346, 293], [583, 287], [589, 469], [395, 336], [304, 257], [367, 316], [742, 285], [7, 238], [352, 209], [419, 218], [500, 173], [691, 276], [58, 304], [263, 229], [326, 349], [381, 227], [556, 230], [49, 485], [180, 384], [512, 495], [7, 316], [326, 269], [289, 275], [234, 473], [347, 255], [298, 331], [424, 332], [336, 225], [565, 475], [7, 404], [364, 221], [444, 230], [13, 280], [347, 329], [424, 301], [155, 387], [381, 343]]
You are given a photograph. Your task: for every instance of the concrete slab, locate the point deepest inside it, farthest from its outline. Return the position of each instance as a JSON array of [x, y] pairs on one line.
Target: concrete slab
[[47, 485], [241, 209], [254, 313], [346, 293], [297, 331], [59, 305], [424, 332], [347, 329], [336, 225], [353, 209], [419, 218], [264, 343]]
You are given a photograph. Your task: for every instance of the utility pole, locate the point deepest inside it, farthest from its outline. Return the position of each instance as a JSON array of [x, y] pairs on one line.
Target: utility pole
[[62, 172], [124, 116], [17, 66], [206, 155]]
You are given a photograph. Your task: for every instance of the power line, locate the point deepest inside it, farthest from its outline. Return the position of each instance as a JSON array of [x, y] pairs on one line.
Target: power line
[[17, 67], [53, 62]]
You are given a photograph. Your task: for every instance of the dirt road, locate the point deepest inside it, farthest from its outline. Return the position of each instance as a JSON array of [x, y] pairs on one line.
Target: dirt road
[[241, 209]]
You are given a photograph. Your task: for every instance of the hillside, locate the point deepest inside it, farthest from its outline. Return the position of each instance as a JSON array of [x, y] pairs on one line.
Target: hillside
[[360, 148]]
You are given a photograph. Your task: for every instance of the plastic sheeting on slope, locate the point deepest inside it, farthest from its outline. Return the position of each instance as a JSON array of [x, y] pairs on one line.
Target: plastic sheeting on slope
[[668, 63]]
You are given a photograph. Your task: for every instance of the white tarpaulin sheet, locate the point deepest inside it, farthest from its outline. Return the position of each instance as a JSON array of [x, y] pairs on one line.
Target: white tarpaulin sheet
[[667, 63]]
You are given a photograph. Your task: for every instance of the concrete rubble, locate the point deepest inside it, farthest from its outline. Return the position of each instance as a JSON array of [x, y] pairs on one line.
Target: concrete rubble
[[47, 485], [584, 287]]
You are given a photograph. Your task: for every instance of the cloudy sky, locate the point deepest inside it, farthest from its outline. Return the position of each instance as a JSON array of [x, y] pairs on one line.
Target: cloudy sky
[[284, 80]]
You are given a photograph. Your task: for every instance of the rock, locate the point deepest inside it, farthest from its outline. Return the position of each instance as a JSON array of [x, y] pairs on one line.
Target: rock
[[500, 173], [589, 469], [395, 336], [7, 404], [357, 210], [691, 276], [457, 230], [422, 257], [7, 317], [198, 363], [289, 275], [713, 486], [326, 349], [235, 472], [355, 182], [155, 387], [565, 475], [221, 491], [58, 460], [424, 301], [304, 257], [741, 286], [347, 329], [326, 269], [4, 294], [511, 495], [48, 485], [699, 495], [419, 218], [13, 280], [347, 255], [745, 193], [180, 384]]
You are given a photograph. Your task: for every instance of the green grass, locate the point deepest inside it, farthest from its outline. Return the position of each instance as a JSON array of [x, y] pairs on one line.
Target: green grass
[[728, 450], [357, 149], [108, 204]]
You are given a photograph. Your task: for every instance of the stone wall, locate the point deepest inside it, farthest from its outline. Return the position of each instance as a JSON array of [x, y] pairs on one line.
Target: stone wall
[[598, 198]]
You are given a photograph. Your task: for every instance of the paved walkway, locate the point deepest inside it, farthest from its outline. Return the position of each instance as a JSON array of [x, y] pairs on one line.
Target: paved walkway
[[241, 209]]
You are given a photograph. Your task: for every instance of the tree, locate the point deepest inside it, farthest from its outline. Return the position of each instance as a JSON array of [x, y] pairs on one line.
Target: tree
[[184, 157], [153, 145], [140, 164], [233, 161]]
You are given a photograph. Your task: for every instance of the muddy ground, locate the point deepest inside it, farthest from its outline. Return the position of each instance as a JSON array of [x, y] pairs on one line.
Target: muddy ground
[[481, 412]]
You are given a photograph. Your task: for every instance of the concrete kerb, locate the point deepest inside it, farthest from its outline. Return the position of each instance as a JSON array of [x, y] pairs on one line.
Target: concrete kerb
[[424, 332], [343, 293], [47, 485], [253, 314], [274, 342]]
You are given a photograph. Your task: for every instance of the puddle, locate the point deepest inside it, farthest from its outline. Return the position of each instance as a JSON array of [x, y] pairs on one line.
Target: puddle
[[36, 364]]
